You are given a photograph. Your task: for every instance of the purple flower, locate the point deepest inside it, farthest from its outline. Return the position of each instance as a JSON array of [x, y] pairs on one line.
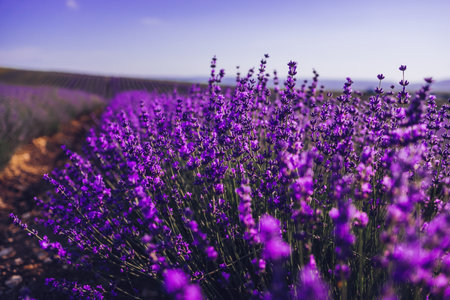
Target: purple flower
[[310, 285], [177, 284], [269, 227], [245, 213], [274, 247], [219, 188], [175, 280], [429, 80], [192, 292]]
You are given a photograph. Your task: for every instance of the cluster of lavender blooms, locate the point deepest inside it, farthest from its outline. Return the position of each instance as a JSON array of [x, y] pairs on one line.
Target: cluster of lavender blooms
[[27, 112], [249, 192]]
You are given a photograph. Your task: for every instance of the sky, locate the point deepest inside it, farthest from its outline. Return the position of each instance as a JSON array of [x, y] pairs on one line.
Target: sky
[[177, 38]]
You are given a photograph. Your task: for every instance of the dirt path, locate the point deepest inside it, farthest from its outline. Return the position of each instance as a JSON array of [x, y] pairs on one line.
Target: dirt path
[[23, 264]]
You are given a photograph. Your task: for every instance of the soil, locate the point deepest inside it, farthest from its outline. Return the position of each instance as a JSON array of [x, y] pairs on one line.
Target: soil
[[23, 264]]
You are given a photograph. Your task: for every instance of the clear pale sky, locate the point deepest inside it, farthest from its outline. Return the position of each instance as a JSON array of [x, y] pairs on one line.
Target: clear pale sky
[[170, 38]]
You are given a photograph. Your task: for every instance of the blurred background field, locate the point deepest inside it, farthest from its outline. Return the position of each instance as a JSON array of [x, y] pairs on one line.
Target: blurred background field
[[34, 103], [27, 112], [104, 86]]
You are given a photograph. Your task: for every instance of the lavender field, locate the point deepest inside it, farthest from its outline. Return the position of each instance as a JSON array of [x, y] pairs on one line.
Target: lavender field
[[28, 112], [251, 192]]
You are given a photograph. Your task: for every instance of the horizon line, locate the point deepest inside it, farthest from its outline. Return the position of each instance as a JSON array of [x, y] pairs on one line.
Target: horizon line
[[192, 77]]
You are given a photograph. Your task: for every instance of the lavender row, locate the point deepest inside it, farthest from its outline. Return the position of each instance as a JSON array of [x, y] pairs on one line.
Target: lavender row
[[290, 193], [104, 86], [28, 112]]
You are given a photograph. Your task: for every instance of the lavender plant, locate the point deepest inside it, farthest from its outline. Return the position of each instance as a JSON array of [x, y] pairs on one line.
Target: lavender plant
[[248, 192]]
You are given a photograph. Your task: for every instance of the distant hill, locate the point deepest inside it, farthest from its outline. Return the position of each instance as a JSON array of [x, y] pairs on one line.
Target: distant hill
[[107, 86], [442, 86]]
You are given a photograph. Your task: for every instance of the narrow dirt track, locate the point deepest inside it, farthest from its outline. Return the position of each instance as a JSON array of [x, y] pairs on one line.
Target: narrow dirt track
[[23, 264]]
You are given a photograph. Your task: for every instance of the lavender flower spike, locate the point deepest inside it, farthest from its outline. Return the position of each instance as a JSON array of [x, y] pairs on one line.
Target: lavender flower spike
[[274, 247], [311, 286]]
